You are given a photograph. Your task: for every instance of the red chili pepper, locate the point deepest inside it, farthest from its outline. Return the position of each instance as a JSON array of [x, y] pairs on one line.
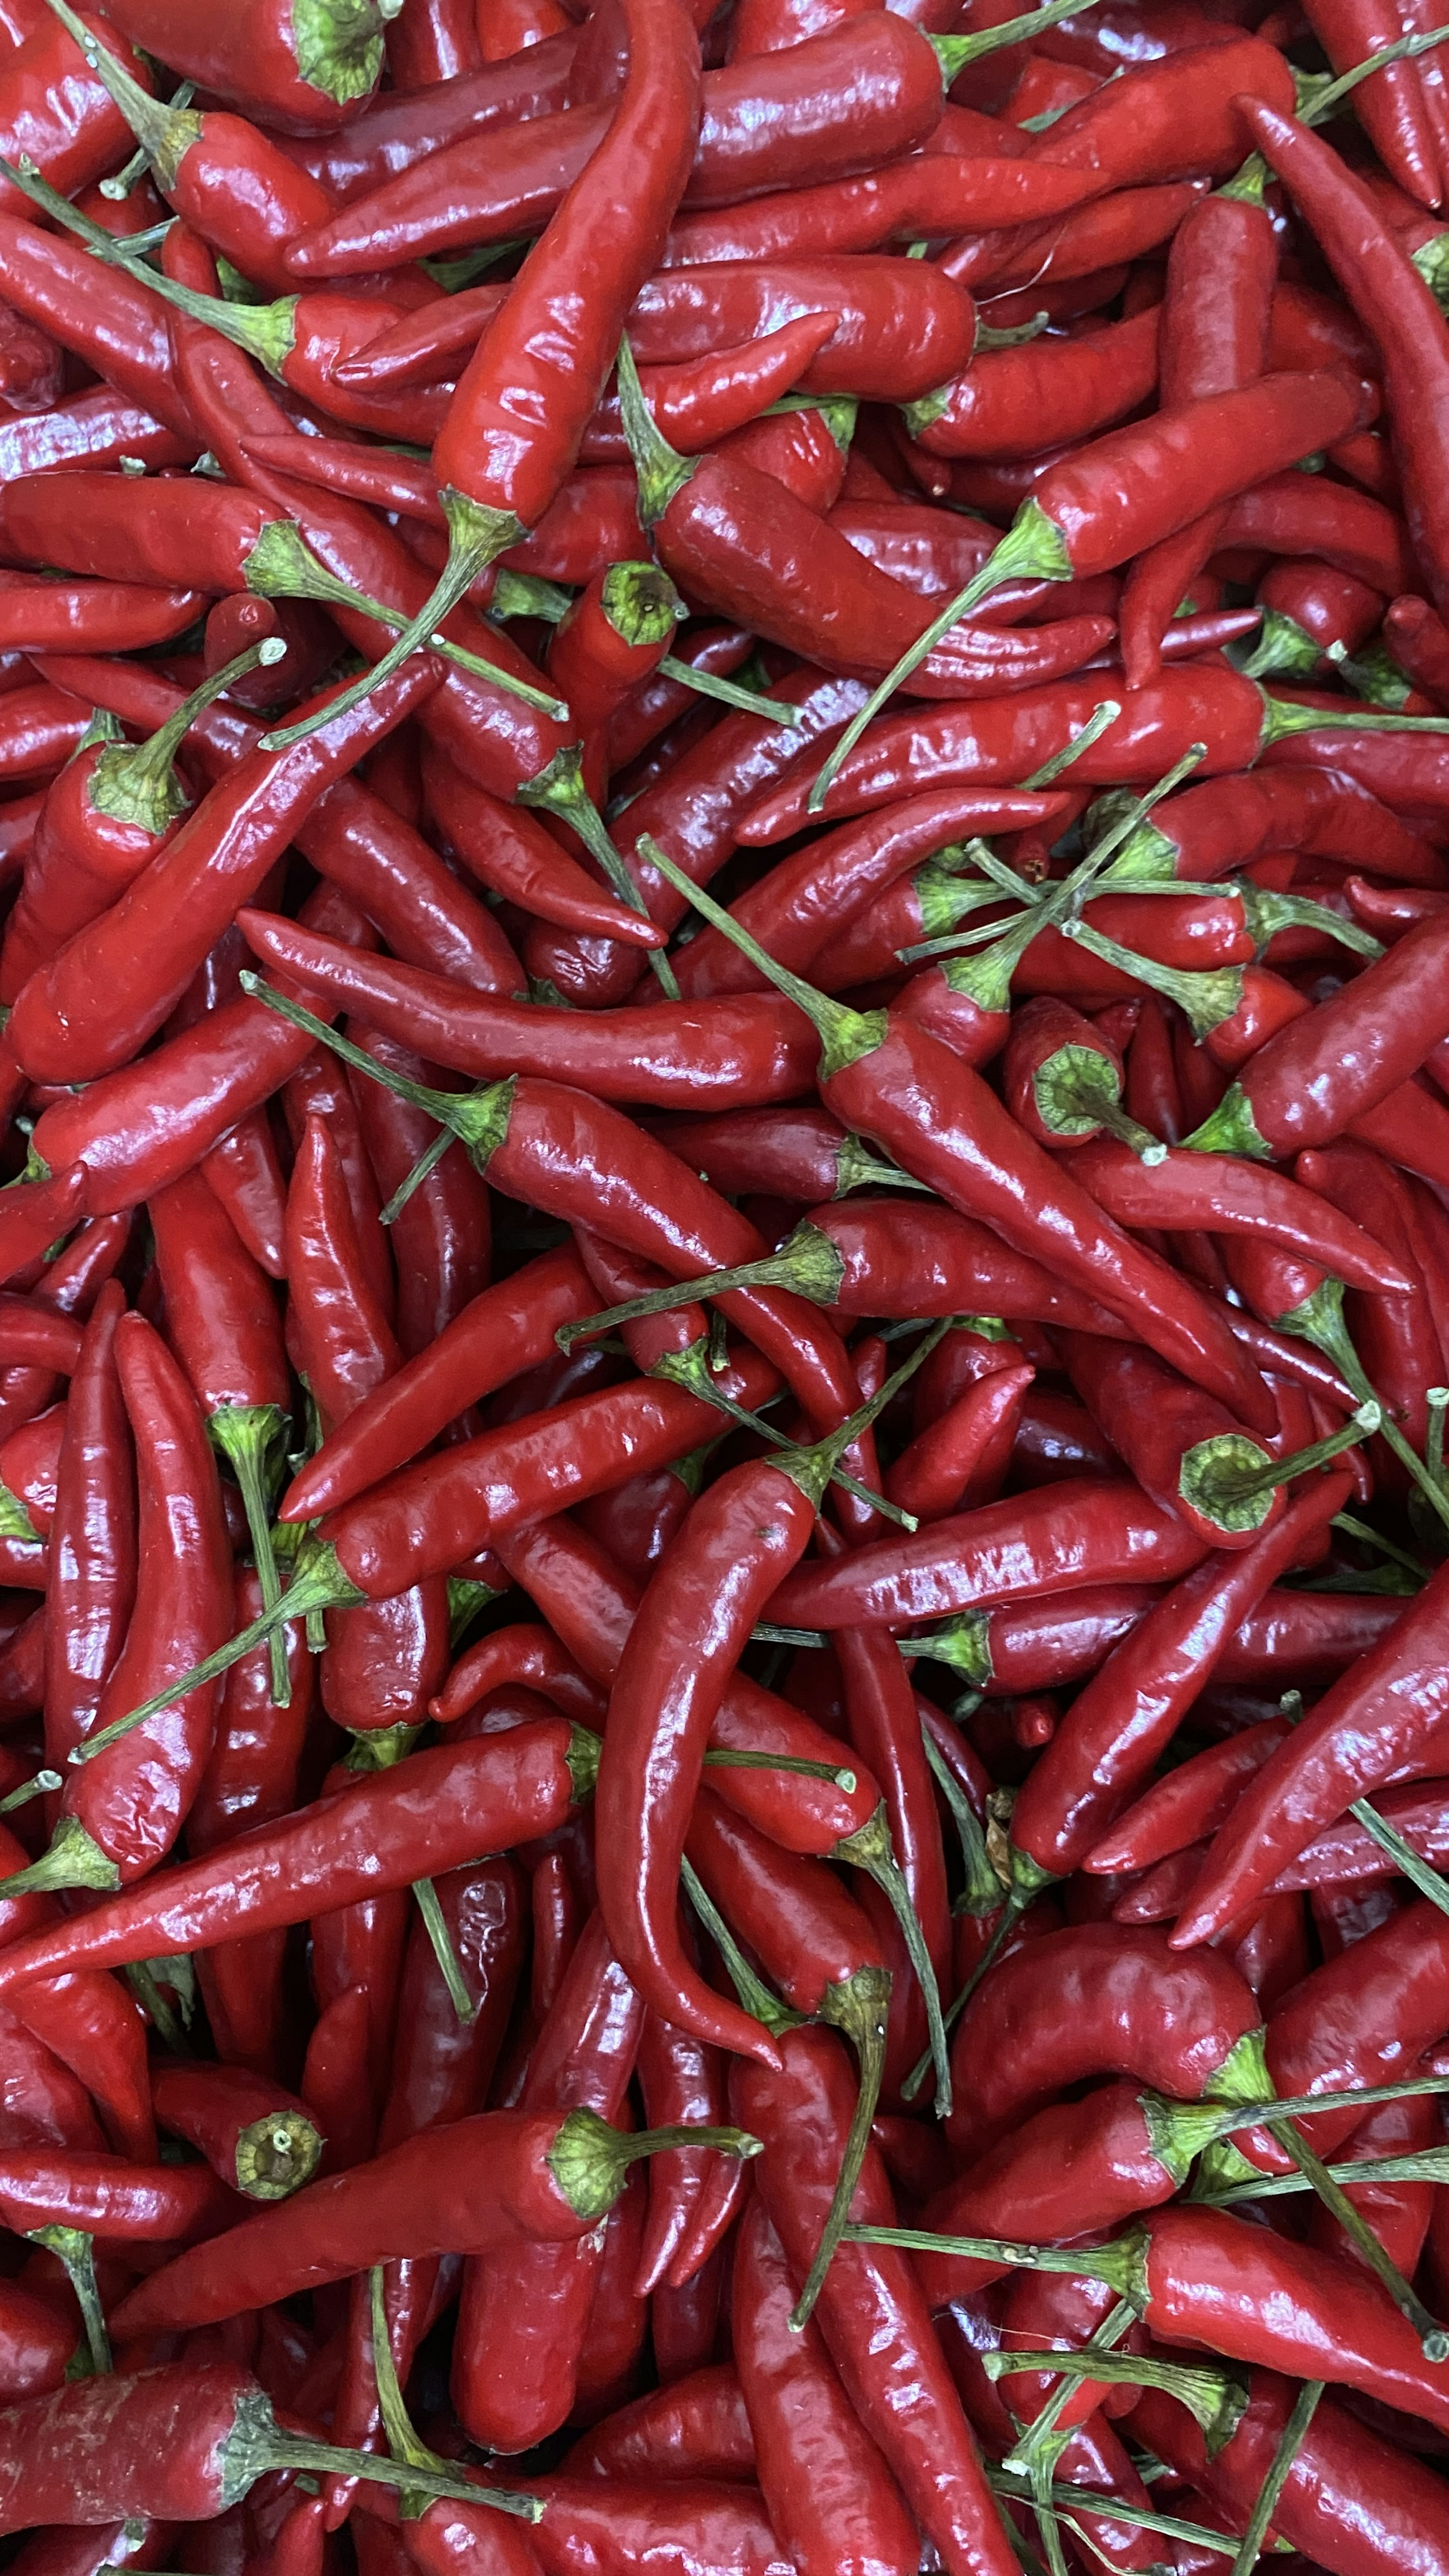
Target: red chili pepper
[[259, 60], [1232, 1197], [1216, 319], [183, 900], [591, 1603], [796, 2409], [1329, 1762], [523, 2316], [872, 2315], [731, 1051], [1349, 2492], [1054, 391], [1120, 1723], [696, 2428], [381, 1835]]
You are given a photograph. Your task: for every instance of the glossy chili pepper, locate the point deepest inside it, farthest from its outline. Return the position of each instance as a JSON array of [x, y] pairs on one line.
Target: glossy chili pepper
[[1052, 391], [219, 855], [551, 2179], [515, 856], [872, 2314], [1090, 243], [1215, 335], [591, 1603], [523, 2317], [859, 94], [437, 41], [696, 2428], [1350, 2493], [394, 129], [733, 1051], [1118, 1726], [117, 1821], [110, 2196], [852, 2514], [960, 1461], [1232, 1197], [1019, 2043], [1309, 1082], [298, 81], [1363, 1729], [441, 1234], [1227, 822], [1063, 1080], [244, 1174], [382, 1834]]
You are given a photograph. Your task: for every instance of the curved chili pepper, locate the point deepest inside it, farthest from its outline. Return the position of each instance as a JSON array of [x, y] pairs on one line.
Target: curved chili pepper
[[591, 1603], [1232, 1197], [1048, 392], [1119, 1724], [961, 1461], [1131, 131], [1100, 1999], [1063, 1081], [695, 2428], [733, 1051], [1308, 1083], [116, 1822], [1349, 2492], [517, 857], [856, 94], [900, 330], [872, 2314], [297, 80], [383, 1834], [523, 2316], [1216, 323], [1364, 1728], [796, 2409], [182, 901]]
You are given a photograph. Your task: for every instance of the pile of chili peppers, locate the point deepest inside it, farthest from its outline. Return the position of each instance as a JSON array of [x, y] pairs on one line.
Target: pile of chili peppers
[[724, 1287]]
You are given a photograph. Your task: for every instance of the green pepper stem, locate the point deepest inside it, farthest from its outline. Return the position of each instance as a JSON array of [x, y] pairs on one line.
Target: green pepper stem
[[1433, 2338], [1409, 1863], [713, 684], [845, 1035], [754, 1995], [857, 2005], [139, 785], [726, 1758], [76, 2251], [1321, 100], [870, 1848], [1319, 1319], [808, 1263], [1033, 549], [1427, 2164], [982, 1892], [248, 1437], [559, 789], [479, 1118], [476, 535], [1289, 2445], [426, 1164], [441, 1939], [318, 1584], [1207, 998], [1214, 2400], [955, 52], [1282, 718]]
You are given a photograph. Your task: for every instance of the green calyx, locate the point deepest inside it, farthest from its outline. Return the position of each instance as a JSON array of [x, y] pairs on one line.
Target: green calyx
[[1247, 185], [76, 2251], [1283, 650], [589, 2161], [662, 472], [582, 1757], [1207, 999], [256, 2446], [276, 2155], [641, 603], [140, 786], [1179, 2132], [15, 1520], [857, 1168], [808, 1262], [1266, 912], [339, 44], [1231, 1129], [1077, 1090], [74, 1859], [1033, 549], [1431, 259], [1146, 860], [1282, 719], [478, 1119], [964, 1643], [1231, 1481], [845, 1035], [559, 789]]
